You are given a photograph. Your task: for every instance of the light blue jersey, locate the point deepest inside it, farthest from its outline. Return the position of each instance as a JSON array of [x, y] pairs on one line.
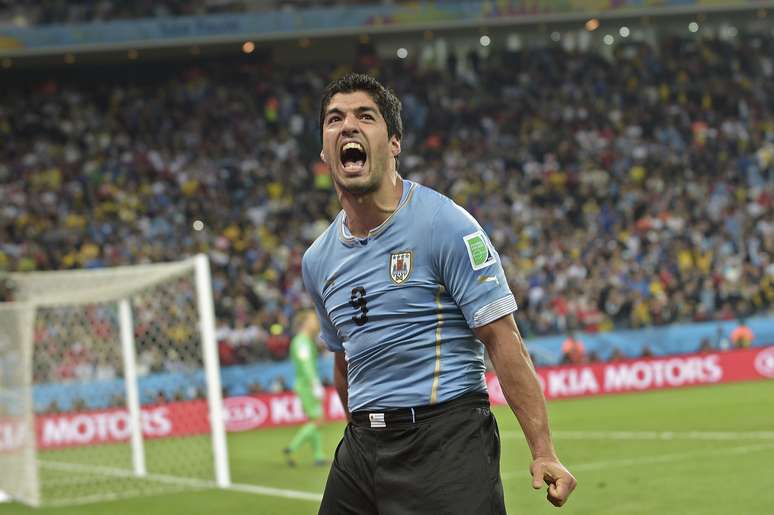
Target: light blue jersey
[[401, 303]]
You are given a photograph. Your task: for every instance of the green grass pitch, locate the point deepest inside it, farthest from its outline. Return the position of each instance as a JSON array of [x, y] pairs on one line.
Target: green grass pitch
[[705, 450]]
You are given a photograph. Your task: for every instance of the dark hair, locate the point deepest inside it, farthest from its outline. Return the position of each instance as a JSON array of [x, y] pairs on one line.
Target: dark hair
[[389, 105]]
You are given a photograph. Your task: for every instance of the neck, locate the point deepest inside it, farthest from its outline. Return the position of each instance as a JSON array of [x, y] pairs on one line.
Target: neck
[[366, 212]]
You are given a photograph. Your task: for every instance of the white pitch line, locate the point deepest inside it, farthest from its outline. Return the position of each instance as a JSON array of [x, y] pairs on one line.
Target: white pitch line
[[276, 492], [655, 435], [663, 458], [105, 497], [180, 481]]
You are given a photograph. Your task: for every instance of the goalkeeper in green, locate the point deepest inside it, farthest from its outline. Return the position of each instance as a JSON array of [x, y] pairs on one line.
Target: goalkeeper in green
[[303, 353]]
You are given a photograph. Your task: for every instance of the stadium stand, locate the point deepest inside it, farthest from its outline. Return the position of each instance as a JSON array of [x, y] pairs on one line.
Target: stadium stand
[[88, 11], [621, 193]]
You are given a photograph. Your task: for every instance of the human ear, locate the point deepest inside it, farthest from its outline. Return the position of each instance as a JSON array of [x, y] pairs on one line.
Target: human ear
[[395, 146]]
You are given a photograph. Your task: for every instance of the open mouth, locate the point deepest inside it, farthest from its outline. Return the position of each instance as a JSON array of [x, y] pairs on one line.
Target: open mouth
[[353, 156]]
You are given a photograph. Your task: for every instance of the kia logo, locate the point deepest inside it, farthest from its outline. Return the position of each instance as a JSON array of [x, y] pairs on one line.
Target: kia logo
[[764, 362], [244, 413]]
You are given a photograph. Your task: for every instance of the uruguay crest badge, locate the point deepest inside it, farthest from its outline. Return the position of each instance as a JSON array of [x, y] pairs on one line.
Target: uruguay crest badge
[[401, 266]]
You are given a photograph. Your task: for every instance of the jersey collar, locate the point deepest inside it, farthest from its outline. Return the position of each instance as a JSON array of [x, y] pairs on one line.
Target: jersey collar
[[346, 236]]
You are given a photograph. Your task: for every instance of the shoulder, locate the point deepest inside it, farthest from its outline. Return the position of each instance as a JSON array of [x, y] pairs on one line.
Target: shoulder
[[441, 217], [447, 216], [432, 206], [428, 197]]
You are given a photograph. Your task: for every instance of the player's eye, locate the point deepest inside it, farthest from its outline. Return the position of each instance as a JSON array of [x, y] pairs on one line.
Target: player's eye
[[333, 118], [366, 116]]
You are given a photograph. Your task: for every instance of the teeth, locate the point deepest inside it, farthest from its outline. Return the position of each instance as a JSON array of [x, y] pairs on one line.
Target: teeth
[[353, 144]]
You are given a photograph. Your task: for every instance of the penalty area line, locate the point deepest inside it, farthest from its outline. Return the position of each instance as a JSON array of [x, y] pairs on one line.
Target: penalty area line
[[662, 458], [275, 492], [655, 435]]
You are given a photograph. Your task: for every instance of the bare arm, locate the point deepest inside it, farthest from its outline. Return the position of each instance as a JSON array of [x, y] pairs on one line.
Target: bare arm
[[522, 391], [340, 380]]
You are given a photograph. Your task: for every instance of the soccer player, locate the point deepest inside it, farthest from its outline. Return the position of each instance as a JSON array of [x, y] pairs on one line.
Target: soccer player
[[408, 287], [303, 353]]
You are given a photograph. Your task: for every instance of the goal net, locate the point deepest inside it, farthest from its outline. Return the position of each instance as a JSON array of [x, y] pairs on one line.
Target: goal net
[[110, 385]]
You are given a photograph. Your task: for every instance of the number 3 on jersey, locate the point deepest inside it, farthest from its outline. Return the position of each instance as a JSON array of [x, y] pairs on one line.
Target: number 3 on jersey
[[358, 301]]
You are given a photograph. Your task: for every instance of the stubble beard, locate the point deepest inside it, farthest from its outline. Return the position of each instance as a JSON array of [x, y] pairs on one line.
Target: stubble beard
[[359, 190]]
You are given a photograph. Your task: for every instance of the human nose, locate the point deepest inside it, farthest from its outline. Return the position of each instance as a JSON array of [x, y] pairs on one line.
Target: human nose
[[349, 124]]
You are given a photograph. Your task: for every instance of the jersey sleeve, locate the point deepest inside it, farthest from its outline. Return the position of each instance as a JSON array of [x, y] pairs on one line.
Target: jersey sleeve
[[469, 266], [328, 333]]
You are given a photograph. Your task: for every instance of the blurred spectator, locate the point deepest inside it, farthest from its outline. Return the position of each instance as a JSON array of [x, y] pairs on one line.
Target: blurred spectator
[[742, 336], [278, 385], [225, 349], [573, 350], [256, 388], [173, 362], [616, 355], [247, 340], [52, 408], [278, 343], [721, 340]]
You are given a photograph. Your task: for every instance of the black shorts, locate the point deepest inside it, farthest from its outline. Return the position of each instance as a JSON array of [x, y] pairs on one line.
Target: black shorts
[[440, 459]]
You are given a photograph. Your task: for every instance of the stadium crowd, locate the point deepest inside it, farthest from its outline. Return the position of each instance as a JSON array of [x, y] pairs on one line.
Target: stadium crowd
[[619, 193], [47, 12]]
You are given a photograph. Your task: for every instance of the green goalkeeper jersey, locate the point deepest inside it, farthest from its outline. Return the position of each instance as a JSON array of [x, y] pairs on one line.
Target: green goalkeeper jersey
[[303, 352]]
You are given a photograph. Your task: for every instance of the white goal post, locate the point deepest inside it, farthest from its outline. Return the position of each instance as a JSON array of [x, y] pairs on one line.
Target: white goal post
[[110, 384]]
